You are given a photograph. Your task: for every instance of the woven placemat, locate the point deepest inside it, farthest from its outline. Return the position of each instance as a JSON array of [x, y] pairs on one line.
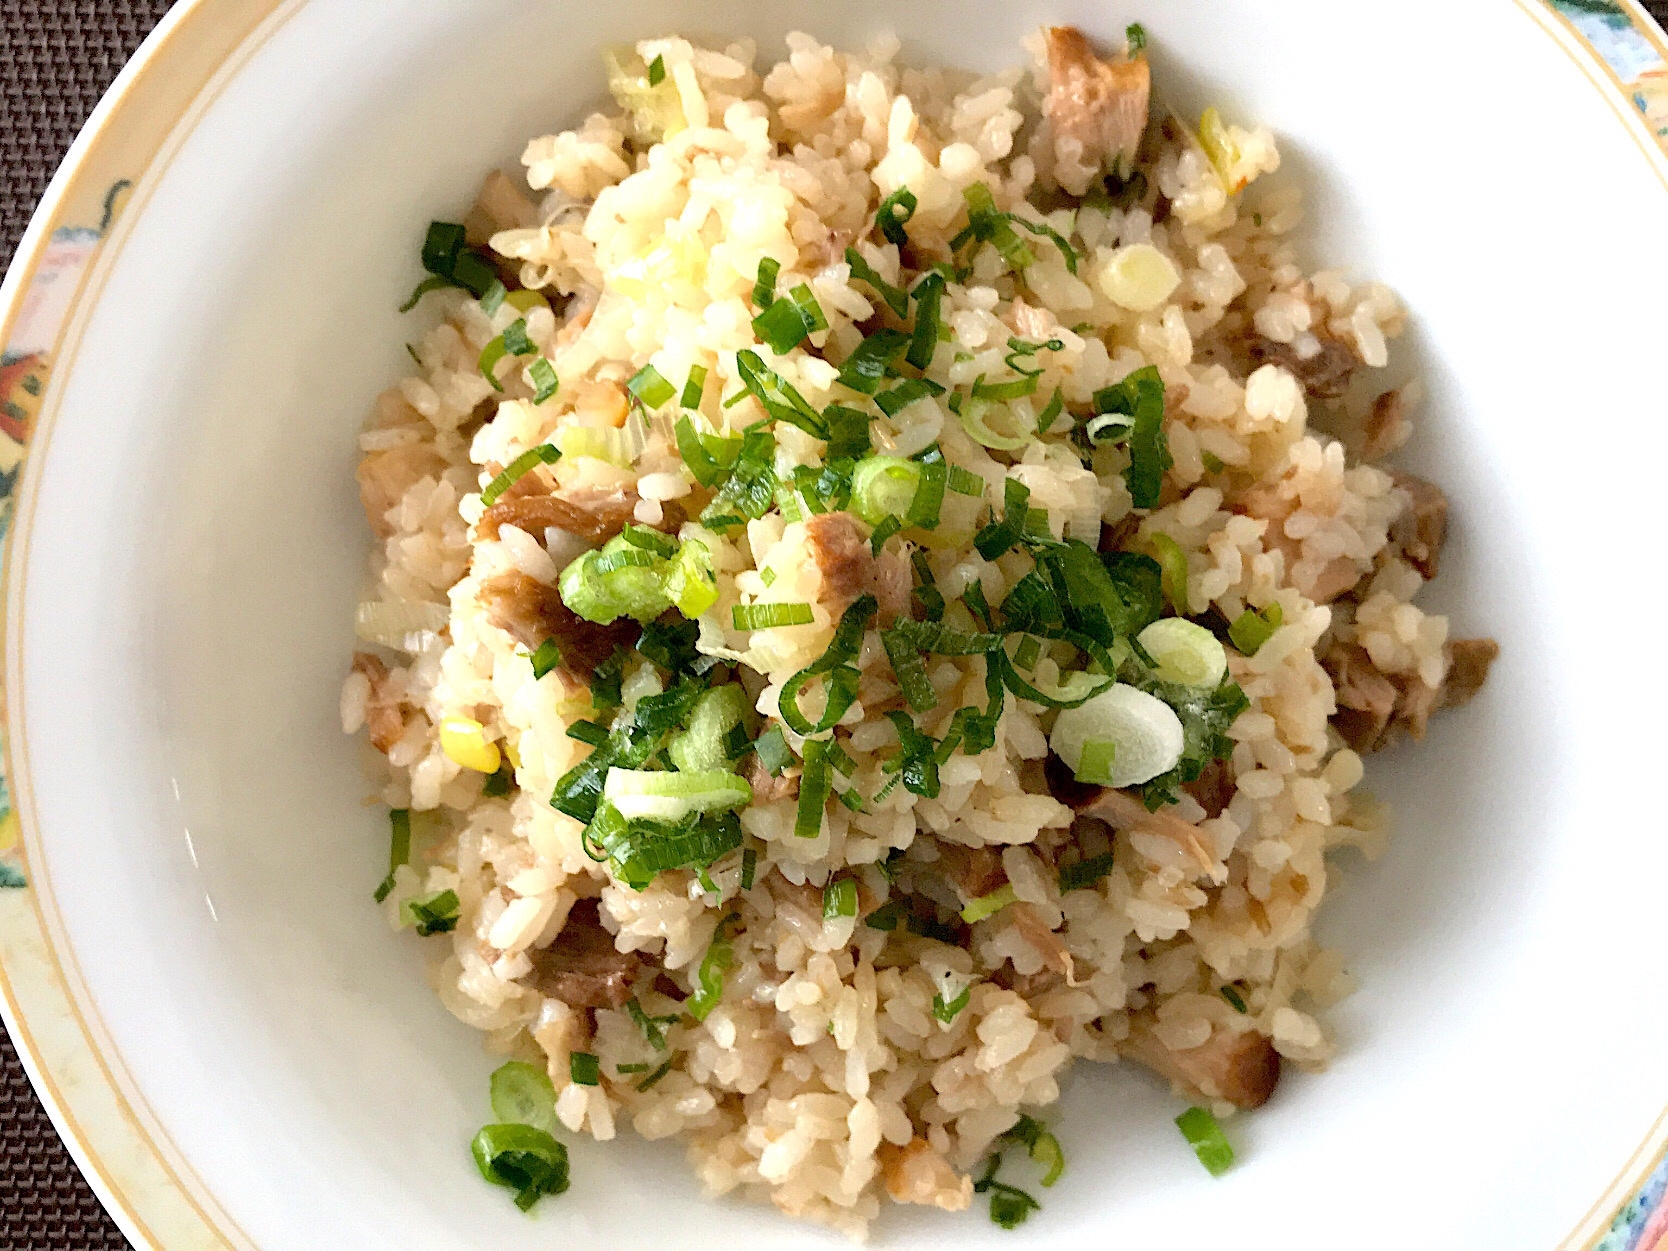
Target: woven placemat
[[56, 59]]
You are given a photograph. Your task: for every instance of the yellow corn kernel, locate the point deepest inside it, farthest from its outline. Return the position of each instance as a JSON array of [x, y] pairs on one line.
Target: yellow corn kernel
[[513, 754], [465, 742]]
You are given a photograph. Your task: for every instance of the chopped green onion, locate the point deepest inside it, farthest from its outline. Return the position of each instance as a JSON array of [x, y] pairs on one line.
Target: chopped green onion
[[965, 482], [516, 342], [1009, 1205], [839, 899], [526, 1160], [1044, 1147], [650, 388], [545, 382], [896, 298], [1235, 999], [815, 318], [848, 433], [782, 327], [441, 247], [1211, 462], [500, 783], [494, 298], [631, 1068], [707, 469], [584, 1069], [929, 293], [653, 1027], [999, 537], [650, 1081], [522, 1094], [886, 917], [813, 789], [894, 211], [1140, 396], [777, 396], [1135, 36], [883, 486], [1044, 231], [435, 913], [911, 673], [709, 978], [605, 682], [399, 848], [1200, 1129], [773, 751], [1094, 764], [657, 71], [885, 530], [1173, 561], [867, 365], [1085, 873], [948, 1010], [770, 616], [987, 225], [906, 393], [764, 289], [1251, 629], [929, 491], [749, 867], [693, 387], [588, 732], [842, 680], [544, 453], [1046, 418], [999, 392], [989, 905], [658, 795], [1028, 653], [691, 583]]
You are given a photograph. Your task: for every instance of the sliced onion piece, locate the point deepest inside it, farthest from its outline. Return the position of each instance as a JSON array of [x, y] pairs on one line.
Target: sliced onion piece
[[402, 624]]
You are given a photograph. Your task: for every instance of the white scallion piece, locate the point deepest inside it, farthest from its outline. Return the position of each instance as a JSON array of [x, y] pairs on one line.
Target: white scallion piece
[[1145, 731], [642, 794], [1185, 652]]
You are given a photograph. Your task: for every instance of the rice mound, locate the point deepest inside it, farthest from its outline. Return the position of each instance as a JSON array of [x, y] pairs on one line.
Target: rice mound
[[823, 1081]]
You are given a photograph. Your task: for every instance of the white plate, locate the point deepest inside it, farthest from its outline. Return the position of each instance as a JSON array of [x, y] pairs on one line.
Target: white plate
[[240, 1053]]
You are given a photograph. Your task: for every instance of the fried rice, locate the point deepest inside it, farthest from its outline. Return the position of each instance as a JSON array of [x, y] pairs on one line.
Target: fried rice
[[882, 954]]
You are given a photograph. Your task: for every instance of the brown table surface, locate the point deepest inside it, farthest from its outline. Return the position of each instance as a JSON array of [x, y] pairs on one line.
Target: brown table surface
[[56, 59]]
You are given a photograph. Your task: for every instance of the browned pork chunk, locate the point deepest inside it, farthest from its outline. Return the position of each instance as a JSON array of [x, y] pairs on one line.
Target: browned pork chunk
[[1387, 425], [385, 476], [1421, 531], [1242, 1068], [766, 788], [1324, 374], [849, 569], [384, 710], [501, 205], [1123, 811], [1373, 706], [581, 967], [531, 612], [1100, 105]]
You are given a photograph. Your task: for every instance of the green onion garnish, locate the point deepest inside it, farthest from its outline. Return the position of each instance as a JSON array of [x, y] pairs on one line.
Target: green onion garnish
[[516, 342], [894, 211], [773, 751], [1251, 629], [924, 340], [588, 732], [545, 382], [650, 388], [1135, 35], [1140, 396], [1212, 462], [1045, 419], [906, 393], [527, 1160], [546, 658], [451, 264], [842, 679], [839, 899], [657, 71], [1009, 1205], [814, 786], [1000, 391], [989, 905], [868, 364], [522, 1094], [653, 1027], [584, 1069], [494, 298], [1235, 999], [435, 913], [764, 289], [886, 917], [897, 299], [885, 530], [1085, 873], [709, 978], [910, 671], [999, 537], [1044, 1147], [781, 327], [631, 1068], [648, 1082], [777, 396], [1173, 561], [749, 866], [1200, 1129], [500, 783], [1095, 764], [693, 386], [770, 616], [544, 453], [399, 848], [948, 1010]]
